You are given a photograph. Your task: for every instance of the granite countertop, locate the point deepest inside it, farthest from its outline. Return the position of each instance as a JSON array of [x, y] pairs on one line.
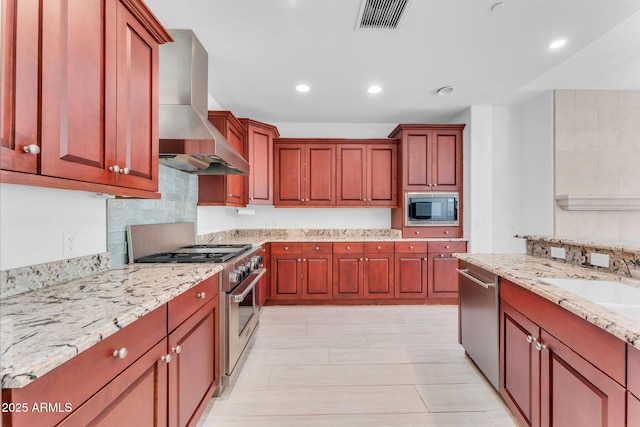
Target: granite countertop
[[44, 328], [525, 271]]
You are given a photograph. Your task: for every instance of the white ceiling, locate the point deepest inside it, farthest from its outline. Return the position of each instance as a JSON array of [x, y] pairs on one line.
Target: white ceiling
[[259, 50]]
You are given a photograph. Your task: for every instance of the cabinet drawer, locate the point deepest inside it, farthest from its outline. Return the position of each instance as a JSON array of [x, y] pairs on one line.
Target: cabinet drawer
[[633, 370], [184, 305], [447, 246], [378, 247], [286, 248], [79, 378], [317, 248], [411, 247], [348, 247]]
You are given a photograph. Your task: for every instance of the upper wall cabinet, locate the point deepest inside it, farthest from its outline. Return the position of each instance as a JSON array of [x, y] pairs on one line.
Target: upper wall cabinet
[[19, 146], [367, 174], [225, 190], [431, 157], [98, 96], [260, 147], [304, 173]]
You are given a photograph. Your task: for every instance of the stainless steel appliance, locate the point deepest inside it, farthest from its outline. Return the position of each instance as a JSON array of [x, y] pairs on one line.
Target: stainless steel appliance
[[480, 319], [431, 209], [188, 141], [242, 269]]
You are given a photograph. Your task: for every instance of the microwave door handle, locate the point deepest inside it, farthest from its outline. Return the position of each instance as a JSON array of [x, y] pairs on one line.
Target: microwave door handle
[[247, 286]]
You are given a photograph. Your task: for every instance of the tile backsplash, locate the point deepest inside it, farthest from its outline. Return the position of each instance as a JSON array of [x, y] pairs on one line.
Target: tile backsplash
[[597, 153], [178, 204]]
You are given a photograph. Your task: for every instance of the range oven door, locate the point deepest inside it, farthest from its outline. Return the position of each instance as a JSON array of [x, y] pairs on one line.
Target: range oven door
[[242, 317]]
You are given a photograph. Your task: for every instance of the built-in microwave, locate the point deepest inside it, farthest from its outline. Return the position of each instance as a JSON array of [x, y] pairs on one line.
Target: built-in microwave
[[431, 209]]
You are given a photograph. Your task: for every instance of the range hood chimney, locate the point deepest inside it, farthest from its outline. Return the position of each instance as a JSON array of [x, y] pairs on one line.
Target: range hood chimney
[[188, 141]]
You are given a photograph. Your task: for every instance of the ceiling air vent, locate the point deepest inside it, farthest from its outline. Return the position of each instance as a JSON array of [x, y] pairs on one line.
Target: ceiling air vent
[[381, 14]]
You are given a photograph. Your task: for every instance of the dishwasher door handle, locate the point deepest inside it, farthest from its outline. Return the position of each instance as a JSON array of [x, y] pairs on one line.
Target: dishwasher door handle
[[465, 273]]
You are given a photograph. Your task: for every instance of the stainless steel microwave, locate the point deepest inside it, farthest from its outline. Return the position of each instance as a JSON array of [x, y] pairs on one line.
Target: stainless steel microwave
[[431, 209]]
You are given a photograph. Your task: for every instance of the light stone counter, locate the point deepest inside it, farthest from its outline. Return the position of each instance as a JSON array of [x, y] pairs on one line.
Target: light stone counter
[[524, 270], [44, 328]]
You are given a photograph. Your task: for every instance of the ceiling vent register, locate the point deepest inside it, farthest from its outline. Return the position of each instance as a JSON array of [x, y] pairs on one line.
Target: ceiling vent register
[[381, 14]]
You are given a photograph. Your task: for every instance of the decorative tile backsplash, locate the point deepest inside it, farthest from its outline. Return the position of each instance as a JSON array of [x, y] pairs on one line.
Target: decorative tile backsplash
[[597, 153], [623, 260], [178, 204]]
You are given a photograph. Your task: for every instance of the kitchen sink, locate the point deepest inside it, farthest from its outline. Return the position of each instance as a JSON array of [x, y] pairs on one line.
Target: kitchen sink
[[616, 296]]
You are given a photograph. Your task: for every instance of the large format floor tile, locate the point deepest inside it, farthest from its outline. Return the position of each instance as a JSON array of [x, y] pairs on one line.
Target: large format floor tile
[[358, 366]]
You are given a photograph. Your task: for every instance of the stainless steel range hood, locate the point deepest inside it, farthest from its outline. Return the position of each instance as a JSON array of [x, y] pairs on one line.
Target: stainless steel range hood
[[188, 141]]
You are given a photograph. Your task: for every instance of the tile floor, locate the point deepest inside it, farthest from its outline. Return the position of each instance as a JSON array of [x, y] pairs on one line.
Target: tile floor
[[358, 366]]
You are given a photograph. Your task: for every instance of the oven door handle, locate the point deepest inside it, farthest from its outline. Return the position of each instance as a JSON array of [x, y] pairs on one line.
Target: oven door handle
[[247, 286]]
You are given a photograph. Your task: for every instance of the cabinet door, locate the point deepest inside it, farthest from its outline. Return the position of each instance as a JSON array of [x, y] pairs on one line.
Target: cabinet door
[[520, 366], [633, 411], [193, 370], [352, 174], [260, 142], [446, 159], [416, 159], [378, 275], [137, 104], [320, 175], [443, 278], [317, 276], [288, 174], [575, 393], [382, 175], [410, 276], [19, 84], [78, 90], [285, 276], [348, 276], [136, 397], [235, 183]]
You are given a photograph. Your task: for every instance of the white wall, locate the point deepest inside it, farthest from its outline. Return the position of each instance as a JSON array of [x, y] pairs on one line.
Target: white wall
[[33, 219]]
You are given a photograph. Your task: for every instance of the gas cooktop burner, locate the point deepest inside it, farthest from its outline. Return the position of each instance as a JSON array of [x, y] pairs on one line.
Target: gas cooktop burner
[[198, 253]]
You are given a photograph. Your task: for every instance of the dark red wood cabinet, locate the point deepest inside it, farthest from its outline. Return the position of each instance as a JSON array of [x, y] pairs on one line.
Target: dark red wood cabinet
[[225, 190], [19, 79], [363, 270], [411, 267], [443, 277], [98, 96], [304, 174], [260, 155], [378, 271], [264, 285], [555, 368], [301, 271], [367, 174]]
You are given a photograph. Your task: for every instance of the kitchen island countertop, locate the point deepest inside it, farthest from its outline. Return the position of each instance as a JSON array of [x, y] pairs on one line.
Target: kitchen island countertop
[[44, 328], [525, 271]]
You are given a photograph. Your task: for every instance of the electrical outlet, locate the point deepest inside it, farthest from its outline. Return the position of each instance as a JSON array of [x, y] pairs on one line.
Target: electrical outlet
[[601, 260], [69, 243], [558, 253]]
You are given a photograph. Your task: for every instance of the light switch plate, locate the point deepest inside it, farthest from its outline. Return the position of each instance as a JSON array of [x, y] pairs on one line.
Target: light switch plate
[[558, 253], [601, 260]]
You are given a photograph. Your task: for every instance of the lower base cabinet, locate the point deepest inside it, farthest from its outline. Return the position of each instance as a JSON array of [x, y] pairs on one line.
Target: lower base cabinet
[[543, 380], [159, 371]]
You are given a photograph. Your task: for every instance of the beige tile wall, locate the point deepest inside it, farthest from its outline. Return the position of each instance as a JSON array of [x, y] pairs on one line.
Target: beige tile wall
[[597, 154]]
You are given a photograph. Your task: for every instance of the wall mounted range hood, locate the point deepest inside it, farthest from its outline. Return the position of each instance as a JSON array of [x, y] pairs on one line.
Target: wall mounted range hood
[[188, 141]]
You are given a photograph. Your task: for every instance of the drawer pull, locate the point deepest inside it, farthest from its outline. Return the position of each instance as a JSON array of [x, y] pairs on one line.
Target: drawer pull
[[447, 246], [177, 349], [348, 248], [317, 248], [166, 358], [121, 354], [201, 295], [441, 255], [410, 247], [379, 247], [446, 232], [417, 232], [31, 149], [286, 248]]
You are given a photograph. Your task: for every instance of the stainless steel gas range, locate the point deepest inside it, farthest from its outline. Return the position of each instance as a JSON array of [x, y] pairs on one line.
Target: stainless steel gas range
[[242, 269]]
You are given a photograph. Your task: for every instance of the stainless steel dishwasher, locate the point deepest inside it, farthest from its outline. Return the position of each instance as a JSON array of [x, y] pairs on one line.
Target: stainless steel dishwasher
[[479, 319]]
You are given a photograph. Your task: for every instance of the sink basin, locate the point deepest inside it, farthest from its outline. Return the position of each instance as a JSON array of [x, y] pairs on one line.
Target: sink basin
[[615, 296]]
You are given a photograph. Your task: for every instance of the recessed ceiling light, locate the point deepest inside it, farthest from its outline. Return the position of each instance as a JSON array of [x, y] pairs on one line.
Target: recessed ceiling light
[[374, 89], [445, 90], [557, 44], [303, 88]]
